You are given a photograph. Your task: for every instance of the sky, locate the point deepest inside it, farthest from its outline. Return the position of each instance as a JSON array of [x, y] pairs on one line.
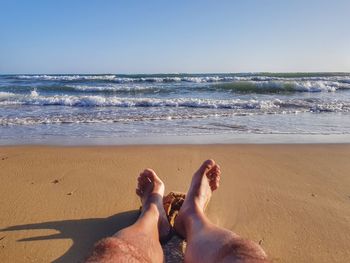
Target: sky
[[160, 36]]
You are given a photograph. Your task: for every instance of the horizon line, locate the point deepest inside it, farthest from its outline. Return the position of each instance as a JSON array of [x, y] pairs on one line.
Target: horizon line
[[185, 73]]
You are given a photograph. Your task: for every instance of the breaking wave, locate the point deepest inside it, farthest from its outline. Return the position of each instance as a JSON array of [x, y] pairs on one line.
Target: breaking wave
[[237, 86], [282, 86], [199, 78], [270, 105], [174, 83], [32, 105]]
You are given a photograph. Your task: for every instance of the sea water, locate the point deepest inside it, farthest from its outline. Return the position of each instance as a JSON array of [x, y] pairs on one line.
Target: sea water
[[175, 108]]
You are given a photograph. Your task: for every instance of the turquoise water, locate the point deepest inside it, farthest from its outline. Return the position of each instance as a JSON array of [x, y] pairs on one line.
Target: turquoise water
[[116, 108]]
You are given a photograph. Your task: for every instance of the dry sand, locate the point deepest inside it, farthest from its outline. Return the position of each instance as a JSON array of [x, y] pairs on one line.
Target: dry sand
[[57, 201]]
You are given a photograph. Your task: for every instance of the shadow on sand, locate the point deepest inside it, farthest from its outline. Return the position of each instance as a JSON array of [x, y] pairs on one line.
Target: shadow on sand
[[83, 232]]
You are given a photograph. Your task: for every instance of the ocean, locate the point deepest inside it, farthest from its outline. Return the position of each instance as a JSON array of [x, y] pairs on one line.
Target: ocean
[[174, 108]]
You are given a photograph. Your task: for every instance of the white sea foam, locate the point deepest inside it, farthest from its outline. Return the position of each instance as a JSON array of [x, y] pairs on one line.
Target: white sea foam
[[318, 86], [101, 101], [195, 79], [67, 77], [283, 86], [35, 106], [312, 84], [125, 79], [267, 105], [254, 86], [6, 94], [111, 88], [104, 118], [34, 93]]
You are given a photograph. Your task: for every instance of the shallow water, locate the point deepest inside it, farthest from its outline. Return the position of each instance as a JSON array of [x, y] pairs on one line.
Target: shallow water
[[112, 108]]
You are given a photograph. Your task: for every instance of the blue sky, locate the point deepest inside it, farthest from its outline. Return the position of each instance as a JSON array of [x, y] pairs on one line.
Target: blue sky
[[111, 36]]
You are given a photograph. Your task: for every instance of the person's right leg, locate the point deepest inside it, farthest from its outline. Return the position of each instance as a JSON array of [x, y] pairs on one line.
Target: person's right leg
[[140, 241], [205, 241]]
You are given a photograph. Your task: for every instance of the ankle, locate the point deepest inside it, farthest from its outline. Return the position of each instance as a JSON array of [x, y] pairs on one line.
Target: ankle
[[191, 212], [150, 209]]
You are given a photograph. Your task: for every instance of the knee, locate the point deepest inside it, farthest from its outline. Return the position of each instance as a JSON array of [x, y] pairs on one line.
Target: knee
[[113, 249], [244, 250], [106, 245], [104, 250]]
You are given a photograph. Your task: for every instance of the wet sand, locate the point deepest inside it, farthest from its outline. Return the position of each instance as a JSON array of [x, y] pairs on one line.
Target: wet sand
[[292, 199]]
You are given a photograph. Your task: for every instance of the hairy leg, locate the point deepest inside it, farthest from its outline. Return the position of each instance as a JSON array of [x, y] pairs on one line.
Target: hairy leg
[[207, 242], [139, 242]]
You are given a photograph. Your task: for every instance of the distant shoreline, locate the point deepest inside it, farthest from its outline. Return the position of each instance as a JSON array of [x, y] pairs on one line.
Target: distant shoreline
[[270, 73], [226, 139]]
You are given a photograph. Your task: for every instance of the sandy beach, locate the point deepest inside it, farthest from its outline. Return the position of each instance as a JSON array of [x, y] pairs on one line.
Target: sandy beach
[[292, 199]]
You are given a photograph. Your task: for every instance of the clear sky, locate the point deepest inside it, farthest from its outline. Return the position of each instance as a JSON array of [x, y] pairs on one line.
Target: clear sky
[[158, 36]]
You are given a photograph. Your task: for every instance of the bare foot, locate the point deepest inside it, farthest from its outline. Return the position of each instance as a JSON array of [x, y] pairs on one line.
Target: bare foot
[[150, 189], [204, 182]]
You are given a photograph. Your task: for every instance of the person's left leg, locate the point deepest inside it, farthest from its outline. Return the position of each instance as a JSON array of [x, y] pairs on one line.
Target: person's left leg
[[139, 242], [207, 242]]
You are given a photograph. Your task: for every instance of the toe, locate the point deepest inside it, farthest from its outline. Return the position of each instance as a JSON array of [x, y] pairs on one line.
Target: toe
[[149, 171], [206, 166], [214, 177], [214, 186], [145, 177], [138, 192], [140, 178], [151, 174], [148, 181], [148, 175], [213, 172], [142, 183]]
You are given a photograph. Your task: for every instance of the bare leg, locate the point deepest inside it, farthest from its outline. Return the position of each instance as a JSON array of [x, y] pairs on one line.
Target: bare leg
[[205, 241], [139, 242]]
